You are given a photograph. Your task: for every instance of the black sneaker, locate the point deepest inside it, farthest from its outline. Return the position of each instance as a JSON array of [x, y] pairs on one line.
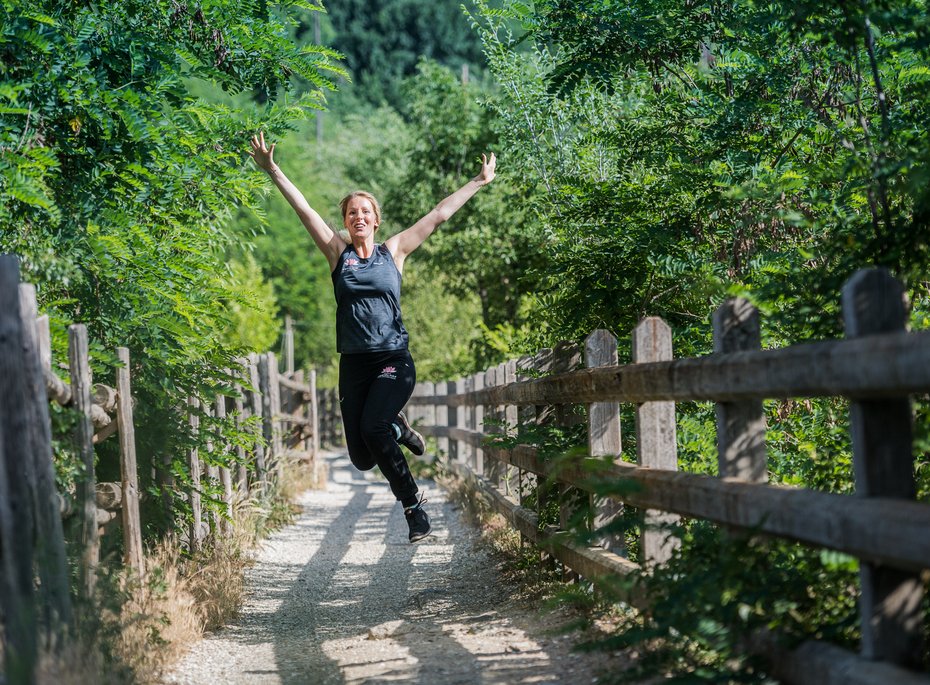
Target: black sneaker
[[417, 521], [409, 438]]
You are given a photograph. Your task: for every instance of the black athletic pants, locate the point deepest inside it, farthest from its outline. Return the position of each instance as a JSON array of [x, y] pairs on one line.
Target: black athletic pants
[[373, 388]]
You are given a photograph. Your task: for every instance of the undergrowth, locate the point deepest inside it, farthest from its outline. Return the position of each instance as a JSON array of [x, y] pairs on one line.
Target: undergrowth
[[141, 626]]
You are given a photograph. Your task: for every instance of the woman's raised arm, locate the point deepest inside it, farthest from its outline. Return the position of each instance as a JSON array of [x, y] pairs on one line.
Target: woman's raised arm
[[407, 241], [329, 242]]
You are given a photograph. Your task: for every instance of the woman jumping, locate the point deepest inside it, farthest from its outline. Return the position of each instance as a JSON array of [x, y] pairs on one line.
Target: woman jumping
[[376, 371]]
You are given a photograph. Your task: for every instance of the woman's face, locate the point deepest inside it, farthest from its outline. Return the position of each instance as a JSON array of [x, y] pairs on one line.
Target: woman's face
[[360, 219]]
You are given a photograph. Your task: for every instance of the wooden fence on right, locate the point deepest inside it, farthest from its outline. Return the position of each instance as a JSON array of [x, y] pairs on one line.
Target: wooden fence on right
[[877, 366]]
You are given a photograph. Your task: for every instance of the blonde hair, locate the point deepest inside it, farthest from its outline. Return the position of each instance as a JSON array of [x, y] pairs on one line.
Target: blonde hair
[[344, 204]]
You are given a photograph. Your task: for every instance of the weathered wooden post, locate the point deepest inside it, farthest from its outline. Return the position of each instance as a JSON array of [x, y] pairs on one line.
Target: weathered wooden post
[[429, 410], [442, 416], [455, 445], [268, 380], [314, 415], [466, 385], [289, 346], [740, 425], [193, 463], [225, 475], [542, 363], [132, 525], [477, 412], [242, 414], [492, 426], [211, 473], [255, 395], [79, 363], [16, 507], [882, 437], [51, 558], [511, 417], [655, 438], [566, 356], [600, 349]]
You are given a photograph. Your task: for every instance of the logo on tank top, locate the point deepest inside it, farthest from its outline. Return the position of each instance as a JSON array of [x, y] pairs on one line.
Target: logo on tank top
[[350, 263], [389, 372]]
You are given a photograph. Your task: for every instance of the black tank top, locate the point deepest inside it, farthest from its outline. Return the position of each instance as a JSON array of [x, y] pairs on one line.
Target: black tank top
[[368, 302]]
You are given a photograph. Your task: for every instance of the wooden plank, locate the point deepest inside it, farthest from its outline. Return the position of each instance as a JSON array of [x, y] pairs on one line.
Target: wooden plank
[[600, 349], [891, 601], [295, 385], [133, 554], [818, 663], [510, 416], [656, 445], [873, 366], [740, 424], [17, 597], [50, 555], [193, 465], [81, 383], [451, 419], [883, 530]]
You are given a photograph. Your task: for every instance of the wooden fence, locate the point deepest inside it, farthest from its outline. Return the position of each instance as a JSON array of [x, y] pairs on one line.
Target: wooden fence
[[32, 540], [877, 366]]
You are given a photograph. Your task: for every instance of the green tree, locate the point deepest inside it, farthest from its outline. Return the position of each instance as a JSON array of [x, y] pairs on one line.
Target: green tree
[[118, 186], [383, 40]]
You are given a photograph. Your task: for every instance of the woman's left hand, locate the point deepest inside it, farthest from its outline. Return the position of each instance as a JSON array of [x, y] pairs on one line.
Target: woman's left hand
[[487, 170]]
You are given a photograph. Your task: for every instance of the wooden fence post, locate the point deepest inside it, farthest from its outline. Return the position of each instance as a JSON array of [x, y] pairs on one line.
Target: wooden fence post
[[51, 558], [740, 425], [314, 415], [882, 436], [193, 463], [477, 418], [655, 438], [511, 417], [465, 419], [242, 475], [81, 384], [566, 357], [545, 415], [289, 345], [492, 415], [256, 408], [16, 523], [225, 474], [452, 416], [132, 525], [442, 416], [600, 349], [211, 474]]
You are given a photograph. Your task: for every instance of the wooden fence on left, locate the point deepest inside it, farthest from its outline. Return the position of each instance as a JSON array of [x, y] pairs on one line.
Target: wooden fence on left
[[35, 601]]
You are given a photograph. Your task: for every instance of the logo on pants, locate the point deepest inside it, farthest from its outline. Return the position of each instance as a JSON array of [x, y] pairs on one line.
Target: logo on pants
[[389, 372]]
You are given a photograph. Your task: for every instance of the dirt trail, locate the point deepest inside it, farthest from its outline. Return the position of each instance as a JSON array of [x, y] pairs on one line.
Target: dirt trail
[[340, 596]]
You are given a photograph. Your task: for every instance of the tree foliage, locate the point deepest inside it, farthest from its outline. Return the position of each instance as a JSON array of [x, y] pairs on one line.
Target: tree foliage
[[383, 41], [118, 185]]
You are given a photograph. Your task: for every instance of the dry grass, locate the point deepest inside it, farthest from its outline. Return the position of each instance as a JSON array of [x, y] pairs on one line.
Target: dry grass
[[146, 625]]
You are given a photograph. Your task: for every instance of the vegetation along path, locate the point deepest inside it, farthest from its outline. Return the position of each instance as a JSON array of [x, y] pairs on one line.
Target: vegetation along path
[[340, 596]]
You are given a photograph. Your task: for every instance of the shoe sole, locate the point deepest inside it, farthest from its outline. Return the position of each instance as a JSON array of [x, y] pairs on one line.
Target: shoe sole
[[421, 536]]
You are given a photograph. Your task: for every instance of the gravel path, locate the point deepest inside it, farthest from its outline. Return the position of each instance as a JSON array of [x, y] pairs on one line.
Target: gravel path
[[340, 597]]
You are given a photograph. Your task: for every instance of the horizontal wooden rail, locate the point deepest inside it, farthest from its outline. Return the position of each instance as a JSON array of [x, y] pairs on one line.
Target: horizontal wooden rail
[[883, 530], [810, 663], [873, 366], [296, 386]]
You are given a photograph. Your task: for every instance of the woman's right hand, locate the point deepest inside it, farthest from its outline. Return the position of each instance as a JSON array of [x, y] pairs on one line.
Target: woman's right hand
[[261, 153]]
